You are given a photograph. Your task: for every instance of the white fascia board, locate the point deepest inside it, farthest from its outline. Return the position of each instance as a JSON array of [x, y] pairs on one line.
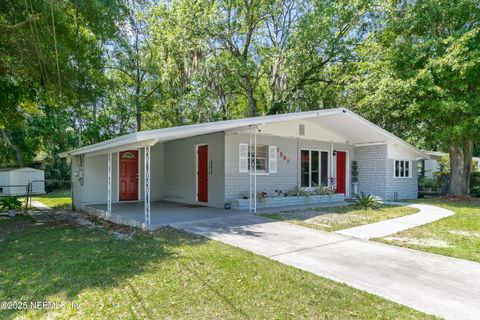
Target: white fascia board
[[368, 144], [123, 147], [168, 134]]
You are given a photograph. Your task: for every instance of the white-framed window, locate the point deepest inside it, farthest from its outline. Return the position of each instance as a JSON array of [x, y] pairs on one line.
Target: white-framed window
[[266, 158], [261, 153], [402, 169], [313, 168]]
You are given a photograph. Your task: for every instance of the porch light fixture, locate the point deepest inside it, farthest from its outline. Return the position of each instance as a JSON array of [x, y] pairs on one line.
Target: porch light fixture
[[334, 153]]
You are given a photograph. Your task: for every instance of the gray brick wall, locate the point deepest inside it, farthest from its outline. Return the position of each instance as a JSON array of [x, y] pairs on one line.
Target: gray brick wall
[[376, 174], [372, 169], [406, 188]]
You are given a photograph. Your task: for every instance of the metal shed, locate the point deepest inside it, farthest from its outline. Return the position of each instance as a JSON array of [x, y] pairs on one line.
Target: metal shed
[[13, 181]]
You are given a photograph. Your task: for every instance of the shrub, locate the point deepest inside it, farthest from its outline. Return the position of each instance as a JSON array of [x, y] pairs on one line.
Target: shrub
[[323, 190], [475, 179], [261, 196], [366, 201], [10, 203], [475, 191], [299, 192], [427, 183], [354, 171]]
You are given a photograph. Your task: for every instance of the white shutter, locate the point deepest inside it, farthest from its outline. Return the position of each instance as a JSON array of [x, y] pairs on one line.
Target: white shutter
[[272, 159], [243, 157]]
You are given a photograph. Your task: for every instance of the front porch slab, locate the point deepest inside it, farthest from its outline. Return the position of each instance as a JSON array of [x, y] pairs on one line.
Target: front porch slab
[[162, 213], [165, 213]]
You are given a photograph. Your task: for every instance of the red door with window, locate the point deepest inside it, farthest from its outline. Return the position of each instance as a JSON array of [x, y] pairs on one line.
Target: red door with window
[[128, 175], [202, 173], [341, 171]]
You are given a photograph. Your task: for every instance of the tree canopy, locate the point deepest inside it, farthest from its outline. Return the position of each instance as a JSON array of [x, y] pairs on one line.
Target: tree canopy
[[76, 72]]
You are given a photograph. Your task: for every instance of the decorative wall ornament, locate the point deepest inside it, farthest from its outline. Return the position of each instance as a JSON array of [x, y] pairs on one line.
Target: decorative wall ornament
[[283, 155]]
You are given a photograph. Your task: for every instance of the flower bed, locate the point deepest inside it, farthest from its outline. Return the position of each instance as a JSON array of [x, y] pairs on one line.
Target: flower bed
[[275, 202]]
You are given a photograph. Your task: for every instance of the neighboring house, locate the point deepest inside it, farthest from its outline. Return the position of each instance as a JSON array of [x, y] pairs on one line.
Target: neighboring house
[[14, 181], [213, 163], [428, 167]]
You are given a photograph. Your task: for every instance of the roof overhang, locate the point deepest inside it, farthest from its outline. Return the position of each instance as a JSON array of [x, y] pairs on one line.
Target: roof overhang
[[352, 128]]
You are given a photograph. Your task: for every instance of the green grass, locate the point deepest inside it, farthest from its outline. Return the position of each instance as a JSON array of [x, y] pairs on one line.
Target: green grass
[[338, 218], [59, 199], [166, 274], [18, 219], [456, 236]]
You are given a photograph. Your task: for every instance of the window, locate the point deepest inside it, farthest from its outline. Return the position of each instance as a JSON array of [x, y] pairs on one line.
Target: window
[[128, 155], [266, 158], [313, 168], [402, 169], [262, 158]]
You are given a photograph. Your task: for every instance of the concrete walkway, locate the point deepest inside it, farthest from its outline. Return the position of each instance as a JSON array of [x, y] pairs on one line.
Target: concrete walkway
[[41, 206], [381, 229], [40, 212], [435, 284]]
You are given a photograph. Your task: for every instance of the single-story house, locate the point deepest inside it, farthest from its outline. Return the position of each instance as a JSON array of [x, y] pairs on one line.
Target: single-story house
[[428, 167], [14, 181], [232, 162]]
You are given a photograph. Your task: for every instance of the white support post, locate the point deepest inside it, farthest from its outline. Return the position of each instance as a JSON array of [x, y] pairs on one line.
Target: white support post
[[146, 173], [109, 184], [250, 165], [255, 172]]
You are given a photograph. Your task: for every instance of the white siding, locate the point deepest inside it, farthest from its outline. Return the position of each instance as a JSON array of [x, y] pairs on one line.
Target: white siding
[[180, 169], [94, 189], [287, 175]]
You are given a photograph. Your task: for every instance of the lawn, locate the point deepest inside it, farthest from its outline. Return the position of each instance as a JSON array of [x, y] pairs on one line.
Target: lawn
[[164, 274], [456, 236], [59, 199], [338, 218]]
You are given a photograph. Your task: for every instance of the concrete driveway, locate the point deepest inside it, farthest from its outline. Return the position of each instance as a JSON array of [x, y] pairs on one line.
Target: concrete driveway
[[435, 284]]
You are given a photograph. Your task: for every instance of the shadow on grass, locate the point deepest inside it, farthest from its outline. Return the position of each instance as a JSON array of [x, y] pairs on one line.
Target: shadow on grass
[[63, 260]]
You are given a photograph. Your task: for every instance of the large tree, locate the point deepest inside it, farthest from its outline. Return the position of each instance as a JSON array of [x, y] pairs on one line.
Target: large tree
[[418, 76], [51, 67]]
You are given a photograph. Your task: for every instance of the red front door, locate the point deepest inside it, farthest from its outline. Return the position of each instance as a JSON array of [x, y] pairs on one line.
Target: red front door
[[341, 171], [202, 173], [128, 175]]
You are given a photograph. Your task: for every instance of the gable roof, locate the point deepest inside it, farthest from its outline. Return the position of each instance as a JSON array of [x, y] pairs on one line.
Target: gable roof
[[151, 137]]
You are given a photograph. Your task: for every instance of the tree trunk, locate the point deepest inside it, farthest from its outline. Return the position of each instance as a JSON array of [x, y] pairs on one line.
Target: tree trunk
[[138, 112], [18, 152], [252, 102], [460, 168]]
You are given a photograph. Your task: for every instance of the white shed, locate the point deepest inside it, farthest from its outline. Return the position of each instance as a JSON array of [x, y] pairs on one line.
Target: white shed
[[13, 181]]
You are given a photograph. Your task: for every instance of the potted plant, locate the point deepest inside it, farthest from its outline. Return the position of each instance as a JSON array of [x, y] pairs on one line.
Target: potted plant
[[355, 177], [11, 204]]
